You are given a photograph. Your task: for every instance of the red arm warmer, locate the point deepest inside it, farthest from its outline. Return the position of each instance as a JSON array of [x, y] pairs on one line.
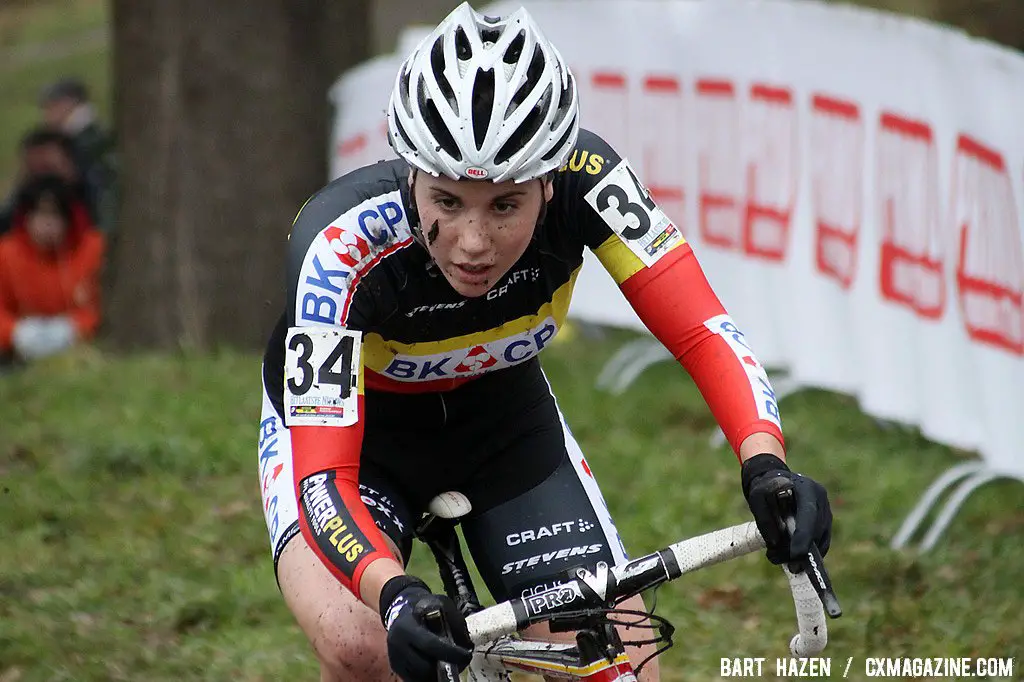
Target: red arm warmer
[[675, 301], [332, 516]]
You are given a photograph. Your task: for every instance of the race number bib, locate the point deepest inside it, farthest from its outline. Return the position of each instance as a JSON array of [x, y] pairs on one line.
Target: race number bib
[[321, 376], [627, 208]]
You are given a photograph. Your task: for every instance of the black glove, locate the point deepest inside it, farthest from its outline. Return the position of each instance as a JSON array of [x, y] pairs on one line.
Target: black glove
[[812, 513], [414, 650]]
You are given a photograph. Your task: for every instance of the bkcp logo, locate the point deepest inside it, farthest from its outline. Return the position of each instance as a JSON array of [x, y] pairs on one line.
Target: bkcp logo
[[349, 246], [476, 359]]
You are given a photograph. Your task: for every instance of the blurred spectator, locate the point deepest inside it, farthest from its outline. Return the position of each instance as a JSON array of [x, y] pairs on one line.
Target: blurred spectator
[[50, 265], [45, 152], [65, 106]]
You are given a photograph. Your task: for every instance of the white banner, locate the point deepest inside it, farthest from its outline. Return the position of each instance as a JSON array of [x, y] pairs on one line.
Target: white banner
[[851, 181]]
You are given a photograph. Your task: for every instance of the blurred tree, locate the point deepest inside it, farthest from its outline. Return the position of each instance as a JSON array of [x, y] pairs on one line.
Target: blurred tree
[[222, 117], [390, 17], [999, 20]]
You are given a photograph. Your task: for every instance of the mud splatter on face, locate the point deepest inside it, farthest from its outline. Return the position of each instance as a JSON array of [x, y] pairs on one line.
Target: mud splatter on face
[[432, 235]]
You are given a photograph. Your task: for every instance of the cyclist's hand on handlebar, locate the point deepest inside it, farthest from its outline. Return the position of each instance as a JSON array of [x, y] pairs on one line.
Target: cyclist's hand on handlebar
[[414, 649], [760, 477]]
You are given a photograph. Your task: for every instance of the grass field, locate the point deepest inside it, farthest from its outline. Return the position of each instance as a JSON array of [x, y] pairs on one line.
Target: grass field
[[134, 545]]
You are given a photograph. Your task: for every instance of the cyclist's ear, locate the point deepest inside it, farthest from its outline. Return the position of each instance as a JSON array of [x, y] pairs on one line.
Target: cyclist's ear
[[548, 183]]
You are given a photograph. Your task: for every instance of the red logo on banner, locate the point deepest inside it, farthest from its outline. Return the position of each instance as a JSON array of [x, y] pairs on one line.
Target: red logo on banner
[[719, 165], [837, 171], [772, 170], [911, 268], [655, 147], [352, 145], [663, 156], [747, 167], [990, 271], [607, 99]]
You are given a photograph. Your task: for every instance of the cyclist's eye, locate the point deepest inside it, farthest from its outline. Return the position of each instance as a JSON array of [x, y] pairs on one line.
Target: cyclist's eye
[[504, 207], [447, 203]]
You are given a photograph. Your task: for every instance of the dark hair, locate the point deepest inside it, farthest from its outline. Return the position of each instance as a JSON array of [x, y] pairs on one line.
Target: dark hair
[[44, 187], [70, 88], [43, 136]]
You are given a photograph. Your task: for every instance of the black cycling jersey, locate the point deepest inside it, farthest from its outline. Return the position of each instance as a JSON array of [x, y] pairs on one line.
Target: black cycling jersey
[[416, 327]]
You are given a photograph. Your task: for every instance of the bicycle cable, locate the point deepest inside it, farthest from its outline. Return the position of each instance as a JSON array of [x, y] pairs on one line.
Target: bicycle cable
[[640, 620], [646, 621]]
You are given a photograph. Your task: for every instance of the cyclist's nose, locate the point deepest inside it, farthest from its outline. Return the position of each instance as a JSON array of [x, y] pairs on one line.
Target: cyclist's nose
[[474, 240]]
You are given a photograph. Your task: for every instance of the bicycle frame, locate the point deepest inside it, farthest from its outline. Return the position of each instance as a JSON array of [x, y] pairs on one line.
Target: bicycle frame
[[558, 661], [598, 655]]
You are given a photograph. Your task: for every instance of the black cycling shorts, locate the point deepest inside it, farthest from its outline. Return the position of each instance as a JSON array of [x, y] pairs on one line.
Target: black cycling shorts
[[501, 441]]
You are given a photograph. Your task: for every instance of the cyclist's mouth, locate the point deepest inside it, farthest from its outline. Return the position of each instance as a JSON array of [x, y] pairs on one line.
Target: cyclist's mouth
[[472, 274]]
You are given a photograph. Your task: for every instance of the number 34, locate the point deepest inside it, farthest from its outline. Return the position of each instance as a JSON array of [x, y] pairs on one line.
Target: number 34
[[321, 358], [625, 207]]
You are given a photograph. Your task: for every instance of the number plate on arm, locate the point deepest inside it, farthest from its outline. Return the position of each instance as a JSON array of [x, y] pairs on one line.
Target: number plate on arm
[[321, 371], [627, 208]]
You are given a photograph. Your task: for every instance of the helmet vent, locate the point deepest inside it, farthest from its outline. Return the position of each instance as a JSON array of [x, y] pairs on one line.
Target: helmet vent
[[533, 74], [564, 101], [404, 135], [463, 50], [555, 150], [435, 124], [526, 130], [437, 66], [483, 103], [490, 35], [515, 48], [405, 92]]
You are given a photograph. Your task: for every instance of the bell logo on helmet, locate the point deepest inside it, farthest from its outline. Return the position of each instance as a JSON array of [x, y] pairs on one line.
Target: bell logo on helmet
[[476, 172]]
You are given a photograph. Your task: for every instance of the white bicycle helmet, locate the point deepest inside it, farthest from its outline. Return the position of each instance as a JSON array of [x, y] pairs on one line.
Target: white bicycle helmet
[[484, 98]]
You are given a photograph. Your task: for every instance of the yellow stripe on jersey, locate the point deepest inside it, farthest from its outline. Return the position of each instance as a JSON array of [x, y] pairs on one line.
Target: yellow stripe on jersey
[[619, 260], [378, 352], [361, 382], [299, 212]]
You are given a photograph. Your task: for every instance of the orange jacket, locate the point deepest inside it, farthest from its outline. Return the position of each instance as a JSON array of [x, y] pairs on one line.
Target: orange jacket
[[38, 283]]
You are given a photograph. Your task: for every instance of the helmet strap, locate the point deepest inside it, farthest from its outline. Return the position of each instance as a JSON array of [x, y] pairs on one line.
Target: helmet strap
[[414, 225], [544, 179], [413, 212]]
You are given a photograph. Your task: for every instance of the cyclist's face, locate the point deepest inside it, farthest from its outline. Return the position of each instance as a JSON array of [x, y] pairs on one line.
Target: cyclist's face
[[476, 230]]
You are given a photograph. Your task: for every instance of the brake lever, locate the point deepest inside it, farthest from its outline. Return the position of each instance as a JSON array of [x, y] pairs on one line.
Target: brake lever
[[435, 620], [812, 564]]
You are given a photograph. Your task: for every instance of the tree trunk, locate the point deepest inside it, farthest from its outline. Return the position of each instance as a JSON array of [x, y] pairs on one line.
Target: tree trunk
[[390, 17], [222, 117]]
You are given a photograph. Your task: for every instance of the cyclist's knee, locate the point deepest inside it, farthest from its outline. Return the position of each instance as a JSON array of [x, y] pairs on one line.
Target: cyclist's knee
[[349, 647], [346, 635]]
